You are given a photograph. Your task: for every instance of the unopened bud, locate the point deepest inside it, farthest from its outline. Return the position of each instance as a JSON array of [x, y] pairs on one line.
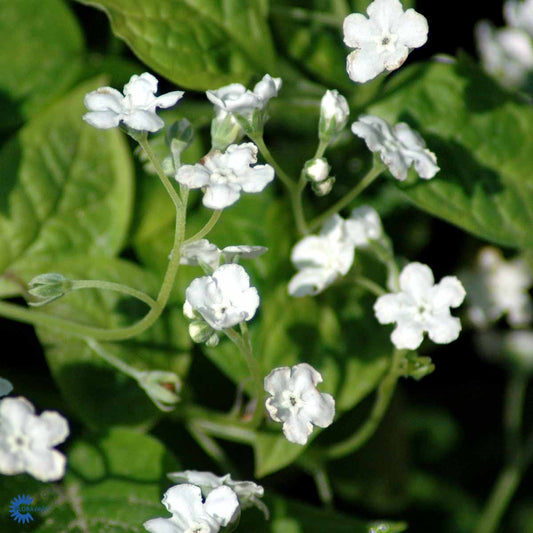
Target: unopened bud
[[200, 331], [179, 136], [225, 130], [324, 187], [316, 170], [334, 113], [162, 387], [213, 340], [46, 288]]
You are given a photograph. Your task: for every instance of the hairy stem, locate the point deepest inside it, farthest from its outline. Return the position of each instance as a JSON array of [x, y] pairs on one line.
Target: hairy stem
[[116, 287], [207, 228]]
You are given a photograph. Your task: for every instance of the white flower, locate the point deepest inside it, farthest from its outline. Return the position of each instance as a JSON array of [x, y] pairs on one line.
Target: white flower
[[5, 387], [363, 226], [224, 299], [27, 440], [321, 259], [519, 15], [421, 306], [506, 53], [296, 401], [498, 287], [136, 108], [225, 175], [334, 113], [247, 491], [317, 170], [399, 147], [383, 40], [232, 254], [190, 514], [235, 98], [198, 252]]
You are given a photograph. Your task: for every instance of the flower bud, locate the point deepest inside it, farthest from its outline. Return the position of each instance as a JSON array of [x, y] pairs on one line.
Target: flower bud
[[200, 331], [179, 136], [316, 170], [46, 288], [225, 130], [162, 387], [417, 367], [334, 113], [212, 341], [324, 187], [5, 387]]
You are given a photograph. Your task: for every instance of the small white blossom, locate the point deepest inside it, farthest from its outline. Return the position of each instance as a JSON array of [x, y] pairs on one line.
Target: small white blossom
[[399, 147], [297, 403], [235, 98], [506, 53], [198, 252], [136, 108], [224, 176], [232, 254], [321, 259], [334, 113], [27, 440], [224, 299], [364, 226], [190, 514], [383, 40], [317, 170], [498, 287], [421, 306], [247, 491], [519, 14]]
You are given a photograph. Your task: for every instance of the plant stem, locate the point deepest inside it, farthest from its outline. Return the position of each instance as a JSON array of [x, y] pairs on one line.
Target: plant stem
[[207, 228], [367, 180], [323, 487], [37, 318], [145, 145], [113, 361], [244, 343], [370, 285], [117, 287], [517, 461], [282, 175], [383, 398]]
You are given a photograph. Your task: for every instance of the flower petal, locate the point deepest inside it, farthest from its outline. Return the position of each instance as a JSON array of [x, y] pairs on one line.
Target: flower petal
[[449, 292], [141, 120], [169, 99], [407, 335], [162, 525], [412, 29], [221, 504], [388, 308], [311, 281], [319, 407], [185, 503], [384, 13], [297, 429], [103, 120], [257, 178], [193, 176], [45, 464], [364, 64], [104, 99], [220, 196], [278, 380], [358, 30], [416, 280], [444, 328]]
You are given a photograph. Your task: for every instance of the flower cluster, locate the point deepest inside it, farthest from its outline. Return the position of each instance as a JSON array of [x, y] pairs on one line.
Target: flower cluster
[[135, 108], [399, 147], [507, 53], [421, 305], [383, 40], [296, 402], [322, 258], [497, 287], [27, 440], [223, 176]]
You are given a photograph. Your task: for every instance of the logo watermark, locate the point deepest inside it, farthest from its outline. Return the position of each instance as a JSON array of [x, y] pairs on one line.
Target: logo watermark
[[20, 509]]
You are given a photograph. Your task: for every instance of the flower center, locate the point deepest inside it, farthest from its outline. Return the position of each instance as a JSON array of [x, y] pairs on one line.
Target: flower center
[[198, 527], [291, 401], [222, 176], [18, 442], [387, 43]]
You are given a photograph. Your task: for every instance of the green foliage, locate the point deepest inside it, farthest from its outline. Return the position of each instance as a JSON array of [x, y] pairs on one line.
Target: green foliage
[[40, 57], [66, 191], [115, 483], [483, 139], [198, 44]]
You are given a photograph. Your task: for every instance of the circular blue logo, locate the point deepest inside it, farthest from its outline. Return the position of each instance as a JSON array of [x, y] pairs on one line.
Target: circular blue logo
[[21, 516]]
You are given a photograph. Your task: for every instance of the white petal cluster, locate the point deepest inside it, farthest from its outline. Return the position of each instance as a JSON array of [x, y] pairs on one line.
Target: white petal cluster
[[248, 492], [497, 287], [223, 299], [136, 108], [519, 14], [399, 147], [506, 53], [224, 176], [334, 113], [323, 258], [297, 403], [383, 40], [421, 305], [237, 99], [204, 252], [27, 440], [191, 514]]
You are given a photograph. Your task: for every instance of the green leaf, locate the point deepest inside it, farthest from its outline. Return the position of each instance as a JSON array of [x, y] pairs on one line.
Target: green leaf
[[198, 44], [41, 58], [483, 139], [66, 190], [96, 392], [293, 517], [113, 484], [272, 452]]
